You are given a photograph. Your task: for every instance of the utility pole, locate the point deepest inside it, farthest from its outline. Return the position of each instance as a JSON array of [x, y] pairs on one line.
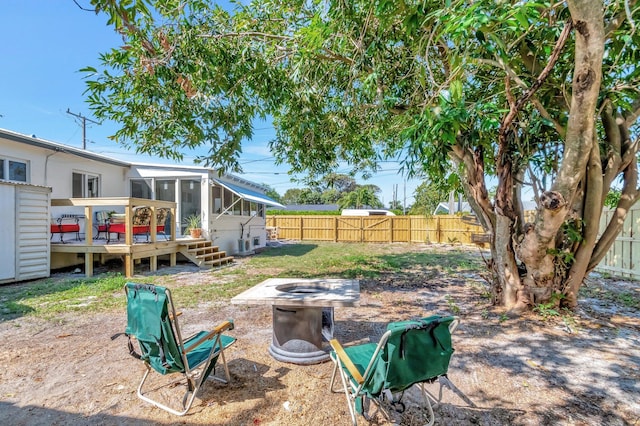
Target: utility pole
[[404, 200], [84, 126]]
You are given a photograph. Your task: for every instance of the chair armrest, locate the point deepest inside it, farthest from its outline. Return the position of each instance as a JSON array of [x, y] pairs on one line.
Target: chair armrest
[[223, 326], [346, 361], [454, 324], [226, 325]]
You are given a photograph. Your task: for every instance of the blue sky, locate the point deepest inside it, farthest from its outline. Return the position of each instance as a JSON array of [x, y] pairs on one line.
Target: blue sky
[[45, 43]]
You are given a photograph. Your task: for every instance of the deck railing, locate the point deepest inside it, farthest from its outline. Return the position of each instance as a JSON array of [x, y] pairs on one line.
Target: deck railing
[[118, 203]]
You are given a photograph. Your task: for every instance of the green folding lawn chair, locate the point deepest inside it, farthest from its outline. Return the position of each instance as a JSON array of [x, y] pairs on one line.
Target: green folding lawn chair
[[409, 353], [152, 320]]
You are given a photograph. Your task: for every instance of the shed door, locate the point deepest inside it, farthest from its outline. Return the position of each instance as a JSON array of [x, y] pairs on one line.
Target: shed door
[[7, 233], [32, 233]]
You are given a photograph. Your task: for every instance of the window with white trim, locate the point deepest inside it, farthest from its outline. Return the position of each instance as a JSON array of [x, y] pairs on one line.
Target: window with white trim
[[141, 188], [14, 169], [85, 185]]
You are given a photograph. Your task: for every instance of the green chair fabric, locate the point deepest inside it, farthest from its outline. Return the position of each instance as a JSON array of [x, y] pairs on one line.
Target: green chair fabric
[[152, 321], [410, 352]]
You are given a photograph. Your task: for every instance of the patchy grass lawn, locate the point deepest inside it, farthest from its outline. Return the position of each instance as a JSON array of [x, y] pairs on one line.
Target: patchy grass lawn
[[71, 293]]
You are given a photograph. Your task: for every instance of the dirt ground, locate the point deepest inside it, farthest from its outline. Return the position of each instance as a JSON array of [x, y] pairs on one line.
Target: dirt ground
[[580, 370]]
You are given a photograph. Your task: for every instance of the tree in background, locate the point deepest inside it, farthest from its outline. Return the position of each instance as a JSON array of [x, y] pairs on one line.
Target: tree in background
[[273, 194], [427, 197], [536, 95], [291, 196], [364, 196], [341, 183]]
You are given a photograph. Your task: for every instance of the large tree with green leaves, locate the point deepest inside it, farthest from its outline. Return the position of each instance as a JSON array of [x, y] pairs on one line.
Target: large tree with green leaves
[[539, 97]]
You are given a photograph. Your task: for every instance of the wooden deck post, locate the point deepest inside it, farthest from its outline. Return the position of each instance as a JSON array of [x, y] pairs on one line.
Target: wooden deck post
[[88, 264], [128, 265]]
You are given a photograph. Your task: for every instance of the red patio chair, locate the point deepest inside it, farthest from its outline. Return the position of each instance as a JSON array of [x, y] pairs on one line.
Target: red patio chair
[[141, 220]]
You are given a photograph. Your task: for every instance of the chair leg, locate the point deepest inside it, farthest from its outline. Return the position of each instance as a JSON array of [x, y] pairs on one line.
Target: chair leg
[[333, 378], [427, 399], [350, 403], [187, 400]]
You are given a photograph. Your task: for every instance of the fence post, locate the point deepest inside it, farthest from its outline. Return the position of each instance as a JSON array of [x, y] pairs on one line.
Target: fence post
[[335, 229], [410, 237], [390, 228], [301, 228]]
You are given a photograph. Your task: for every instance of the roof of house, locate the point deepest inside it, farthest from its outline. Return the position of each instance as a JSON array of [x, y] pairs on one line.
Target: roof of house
[[58, 147], [83, 153]]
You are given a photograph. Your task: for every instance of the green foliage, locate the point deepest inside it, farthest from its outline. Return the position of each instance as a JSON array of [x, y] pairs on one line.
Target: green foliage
[[453, 307], [192, 222], [273, 194], [549, 309], [421, 78], [429, 194], [612, 199], [364, 196], [353, 84]]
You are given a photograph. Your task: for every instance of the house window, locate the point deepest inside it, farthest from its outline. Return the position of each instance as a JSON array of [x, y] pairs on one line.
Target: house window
[[85, 185], [166, 190], [13, 169], [237, 205], [141, 188], [216, 195], [228, 199]]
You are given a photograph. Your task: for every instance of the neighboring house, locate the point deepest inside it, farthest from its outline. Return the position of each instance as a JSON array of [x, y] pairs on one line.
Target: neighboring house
[[366, 212], [312, 207], [453, 208], [457, 207], [232, 208]]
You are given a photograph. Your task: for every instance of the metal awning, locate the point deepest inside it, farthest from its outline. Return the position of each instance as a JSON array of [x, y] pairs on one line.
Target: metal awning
[[248, 194]]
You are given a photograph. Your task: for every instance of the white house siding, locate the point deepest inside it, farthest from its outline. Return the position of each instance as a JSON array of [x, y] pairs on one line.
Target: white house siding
[[54, 167], [225, 232], [24, 252]]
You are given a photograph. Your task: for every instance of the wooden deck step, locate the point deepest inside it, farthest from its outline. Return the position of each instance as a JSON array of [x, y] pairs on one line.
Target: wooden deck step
[[204, 254], [219, 262]]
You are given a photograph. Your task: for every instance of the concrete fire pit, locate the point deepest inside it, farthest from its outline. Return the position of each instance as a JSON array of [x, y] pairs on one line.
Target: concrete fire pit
[[302, 314]]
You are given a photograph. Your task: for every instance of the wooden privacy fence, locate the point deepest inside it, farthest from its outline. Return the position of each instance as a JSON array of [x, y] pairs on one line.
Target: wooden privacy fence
[[623, 258], [377, 229]]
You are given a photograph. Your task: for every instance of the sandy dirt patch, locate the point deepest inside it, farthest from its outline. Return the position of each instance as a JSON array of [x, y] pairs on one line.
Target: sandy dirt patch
[[583, 370]]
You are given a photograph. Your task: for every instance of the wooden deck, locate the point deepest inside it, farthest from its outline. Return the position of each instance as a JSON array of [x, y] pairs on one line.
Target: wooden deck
[[130, 252], [133, 247]]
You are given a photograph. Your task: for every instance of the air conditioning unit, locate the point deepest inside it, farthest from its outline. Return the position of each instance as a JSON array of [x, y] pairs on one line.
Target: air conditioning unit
[[244, 245]]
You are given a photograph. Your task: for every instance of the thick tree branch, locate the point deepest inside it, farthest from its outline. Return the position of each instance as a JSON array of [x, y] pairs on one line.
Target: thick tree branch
[[612, 137], [633, 115], [253, 34], [475, 184], [591, 211], [553, 58]]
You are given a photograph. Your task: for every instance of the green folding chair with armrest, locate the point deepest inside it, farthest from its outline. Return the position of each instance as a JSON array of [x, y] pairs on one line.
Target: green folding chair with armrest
[[409, 353], [153, 321]]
